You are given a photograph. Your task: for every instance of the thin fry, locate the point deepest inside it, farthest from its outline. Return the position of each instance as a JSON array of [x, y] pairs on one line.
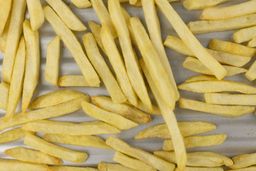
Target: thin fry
[[6, 7], [251, 73], [201, 4], [12, 135], [200, 78], [75, 81], [36, 14], [204, 169], [96, 29], [4, 91], [82, 3], [244, 35], [3, 38], [243, 161], [71, 168], [113, 167], [155, 110], [23, 166]]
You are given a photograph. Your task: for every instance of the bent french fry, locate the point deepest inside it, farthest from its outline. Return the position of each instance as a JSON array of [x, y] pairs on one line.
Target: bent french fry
[[36, 14], [221, 110], [252, 43], [6, 7], [82, 3], [22, 166], [32, 156], [12, 135], [244, 35], [243, 161], [200, 78], [251, 73], [96, 29], [102, 166], [71, 168], [75, 81], [4, 91], [201, 4]]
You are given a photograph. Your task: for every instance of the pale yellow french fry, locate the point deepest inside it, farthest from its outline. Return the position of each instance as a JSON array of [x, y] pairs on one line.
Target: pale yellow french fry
[[82, 3], [197, 141], [36, 14], [54, 150], [190, 40], [125, 110], [4, 91], [79, 140], [131, 63], [244, 35], [71, 168], [122, 1], [3, 38], [203, 169], [102, 69], [96, 29], [243, 161], [218, 86], [75, 81], [244, 169], [186, 129], [131, 162], [118, 65], [139, 154], [69, 128], [201, 4], [200, 78], [32, 156], [111, 118], [12, 165], [12, 41], [221, 110], [252, 43], [12, 135], [16, 84], [133, 2], [6, 7], [102, 166], [251, 73], [73, 45], [53, 61], [155, 110]]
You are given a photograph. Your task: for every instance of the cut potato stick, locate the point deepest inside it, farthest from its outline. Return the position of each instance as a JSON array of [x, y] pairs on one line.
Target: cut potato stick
[[36, 14], [12, 41], [12, 135], [75, 81], [3, 38], [4, 91], [54, 150], [144, 156], [96, 29], [125, 110], [82, 3], [244, 35], [71, 168], [22, 166], [53, 61], [102, 69], [197, 141], [243, 161], [200, 78], [204, 169], [201, 4], [102, 166], [69, 128], [155, 110], [73, 45], [244, 169], [218, 86], [251, 73], [133, 2], [131, 162], [186, 129], [177, 45], [5, 12], [32, 156], [252, 43], [111, 118], [82, 140], [221, 110], [190, 40]]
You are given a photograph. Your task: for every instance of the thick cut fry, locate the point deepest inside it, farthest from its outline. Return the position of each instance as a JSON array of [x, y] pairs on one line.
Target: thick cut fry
[[186, 129], [190, 40], [201, 4], [71, 168], [82, 140], [16, 83], [5, 12], [32, 156], [12, 165], [4, 91], [36, 14], [73, 45], [54, 150], [52, 61], [244, 35], [251, 73], [217, 86], [31, 77], [244, 169], [221, 110], [131, 162], [131, 63], [197, 141], [96, 29], [75, 81], [69, 128], [125, 110], [243, 160], [111, 118], [200, 78], [102, 69], [14, 32], [204, 169], [82, 3], [12, 135], [252, 43], [144, 156], [112, 167]]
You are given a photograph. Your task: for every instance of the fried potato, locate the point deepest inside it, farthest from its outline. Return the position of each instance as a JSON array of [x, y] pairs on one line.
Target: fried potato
[[3, 38], [251, 73], [252, 43], [243, 161], [200, 78], [12, 41], [32, 156], [134, 2], [52, 66], [4, 91], [54, 150], [197, 141], [70, 168], [82, 3], [102, 166], [79, 140], [139, 154], [12, 135], [155, 110], [204, 169], [5, 12], [201, 4], [71, 42], [124, 110], [22, 166], [244, 35], [244, 169], [221, 110], [186, 129], [75, 81], [36, 14], [96, 29]]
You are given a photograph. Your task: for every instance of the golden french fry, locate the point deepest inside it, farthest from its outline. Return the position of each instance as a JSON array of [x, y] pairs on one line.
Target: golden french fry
[[75, 81], [155, 110], [71, 168], [6, 164], [82, 3], [11, 135], [32, 156], [201, 4], [186, 129], [204, 169], [133, 2], [251, 73], [243, 161], [144, 156], [200, 78], [79, 140], [12, 41], [96, 29], [131, 162], [102, 166], [5, 12], [4, 91], [244, 35], [197, 141], [3, 38], [252, 43], [69, 128], [125, 110], [244, 169], [36, 14], [73, 45]]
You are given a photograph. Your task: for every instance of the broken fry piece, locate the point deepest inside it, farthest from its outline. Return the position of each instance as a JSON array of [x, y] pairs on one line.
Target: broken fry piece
[[12, 135], [244, 35], [96, 29], [6, 7], [102, 166], [201, 4], [243, 161], [36, 14], [200, 78], [251, 73], [75, 81], [23, 166], [82, 3]]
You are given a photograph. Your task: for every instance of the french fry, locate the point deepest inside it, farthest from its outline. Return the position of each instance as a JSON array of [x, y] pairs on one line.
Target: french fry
[[22, 166], [243, 161], [133, 2], [52, 61], [12, 135], [252, 43], [251, 73], [54, 150], [201, 4], [131, 63], [70, 168], [82, 3], [5, 12], [218, 86], [102, 69], [82, 140], [102, 166], [111, 118], [131, 162], [221, 110], [200, 78], [4, 91], [96, 29], [197, 141], [36, 14], [186, 129], [139, 154], [32, 156], [190, 40], [73, 45], [3, 38], [244, 169], [75, 81], [124, 110], [155, 110], [12, 41], [216, 13], [244, 35], [69, 128], [204, 169]]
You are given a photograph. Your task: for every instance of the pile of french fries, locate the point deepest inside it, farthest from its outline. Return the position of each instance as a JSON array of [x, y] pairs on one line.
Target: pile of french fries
[[130, 60]]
